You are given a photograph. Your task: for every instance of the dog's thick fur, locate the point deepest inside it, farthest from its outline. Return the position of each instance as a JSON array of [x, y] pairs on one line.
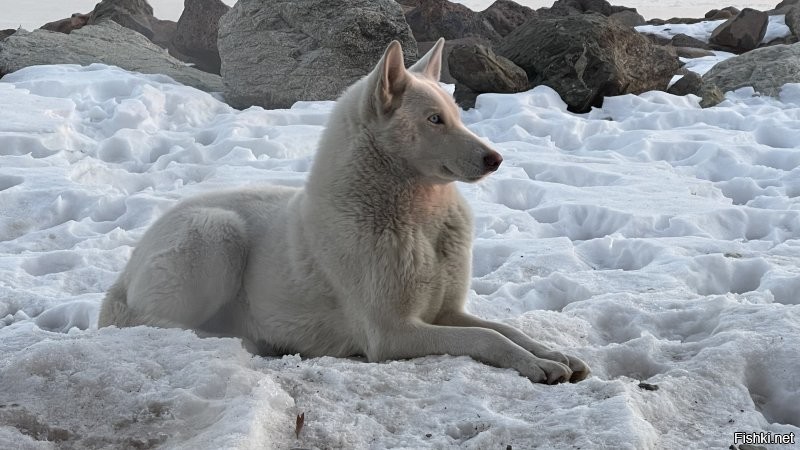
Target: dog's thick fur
[[371, 258]]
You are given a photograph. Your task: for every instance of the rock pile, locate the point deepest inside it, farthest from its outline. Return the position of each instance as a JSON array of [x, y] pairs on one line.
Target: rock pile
[[273, 53]]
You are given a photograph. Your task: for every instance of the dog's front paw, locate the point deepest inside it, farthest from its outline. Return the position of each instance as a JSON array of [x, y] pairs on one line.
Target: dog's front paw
[[548, 372], [580, 370], [556, 372]]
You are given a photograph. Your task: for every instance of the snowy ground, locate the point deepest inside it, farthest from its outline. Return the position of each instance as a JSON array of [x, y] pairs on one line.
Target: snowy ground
[[658, 241]]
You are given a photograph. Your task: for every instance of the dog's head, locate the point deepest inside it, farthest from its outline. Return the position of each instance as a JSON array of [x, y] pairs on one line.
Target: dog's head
[[421, 122]]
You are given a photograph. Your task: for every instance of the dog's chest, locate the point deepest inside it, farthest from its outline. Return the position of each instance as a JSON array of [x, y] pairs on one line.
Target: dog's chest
[[436, 262]]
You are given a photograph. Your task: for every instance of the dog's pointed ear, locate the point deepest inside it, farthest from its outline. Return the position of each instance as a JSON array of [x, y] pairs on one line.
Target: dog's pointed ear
[[430, 65], [390, 78]]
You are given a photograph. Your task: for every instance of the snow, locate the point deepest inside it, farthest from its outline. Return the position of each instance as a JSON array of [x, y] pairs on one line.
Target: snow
[[658, 241]]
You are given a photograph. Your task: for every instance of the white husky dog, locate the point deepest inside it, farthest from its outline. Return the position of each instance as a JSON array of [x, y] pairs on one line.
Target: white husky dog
[[371, 258]]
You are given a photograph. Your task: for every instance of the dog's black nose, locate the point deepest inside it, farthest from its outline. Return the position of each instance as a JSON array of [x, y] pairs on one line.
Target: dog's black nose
[[491, 161]]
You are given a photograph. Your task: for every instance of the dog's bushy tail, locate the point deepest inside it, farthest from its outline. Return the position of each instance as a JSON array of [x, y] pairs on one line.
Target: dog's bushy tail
[[114, 310]]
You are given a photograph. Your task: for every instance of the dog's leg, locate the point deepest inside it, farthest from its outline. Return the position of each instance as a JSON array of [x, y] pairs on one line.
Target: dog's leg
[[417, 339], [462, 319], [189, 267]]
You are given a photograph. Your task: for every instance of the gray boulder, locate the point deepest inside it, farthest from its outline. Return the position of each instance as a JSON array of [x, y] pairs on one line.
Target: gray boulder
[[423, 47], [741, 33], [628, 18], [675, 20], [566, 7], [505, 15], [163, 32], [784, 6], [133, 14], [586, 57], [722, 14], [765, 69], [431, 19], [793, 20], [690, 83], [478, 70], [682, 40], [196, 34], [276, 52], [106, 42], [689, 47], [691, 52], [622, 14]]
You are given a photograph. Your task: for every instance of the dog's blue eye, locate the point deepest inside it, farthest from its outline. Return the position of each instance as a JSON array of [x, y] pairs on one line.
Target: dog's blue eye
[[437, 119]]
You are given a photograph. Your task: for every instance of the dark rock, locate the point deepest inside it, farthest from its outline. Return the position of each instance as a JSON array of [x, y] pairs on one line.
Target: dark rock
[[784, 7], [567, 7], [751, 447], [465, 97], [77, 20], [163, 33], [675, 20], [793, 20], [505, 15], [691, 52], [481, 70], [133, 14], [719, 15], [722, 14], [657, 40], [276, 52], [196, 34], [731, 9], [433, 19], [106, 42], [682, 40], [765, 69], [408, 5], [423, 47], [477, 68], [6, 33], [690, 83], [741, 33], [786, 3], [628, 18], [587, 57]]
